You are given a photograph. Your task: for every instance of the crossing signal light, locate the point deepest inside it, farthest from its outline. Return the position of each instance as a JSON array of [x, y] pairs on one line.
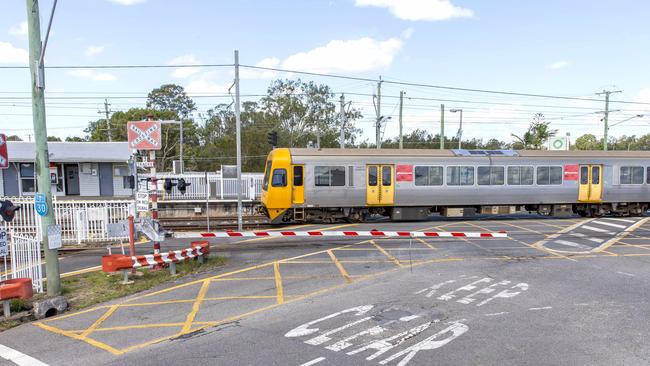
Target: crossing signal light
[[168, 186], [8, 210], [182, 185], [273, 138]]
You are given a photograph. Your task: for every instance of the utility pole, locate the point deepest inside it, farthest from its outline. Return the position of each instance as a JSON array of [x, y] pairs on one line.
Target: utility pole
[[238, 129], [42, 162], [401, 105], [606, 117], [378, 107], [108, 120], [442, 126], [342, 136]]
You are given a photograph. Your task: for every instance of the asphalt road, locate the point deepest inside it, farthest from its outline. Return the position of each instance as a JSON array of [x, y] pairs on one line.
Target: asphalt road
[[556, 292]]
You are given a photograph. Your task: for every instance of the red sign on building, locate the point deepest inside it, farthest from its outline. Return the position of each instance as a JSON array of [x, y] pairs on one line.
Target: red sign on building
[[404, 173], [571, 172], [4, 156], [144, 135]]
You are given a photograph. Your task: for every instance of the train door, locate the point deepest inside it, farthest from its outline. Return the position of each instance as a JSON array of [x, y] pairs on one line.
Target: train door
[[591, 183], [380, 188], [298, 186]]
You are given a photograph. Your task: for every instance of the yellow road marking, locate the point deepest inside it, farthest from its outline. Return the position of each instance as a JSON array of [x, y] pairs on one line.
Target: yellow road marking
[[338, 265], [388, 255], [196, 306], [425, 243], [279, 291], [90, 341], [621, 235], [99, 321]]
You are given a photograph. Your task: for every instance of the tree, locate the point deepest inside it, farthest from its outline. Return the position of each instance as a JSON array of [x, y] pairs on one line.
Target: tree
[[53, 139], [14, 138], [171, 97], [588, 142], [75, 139], [537, 134]]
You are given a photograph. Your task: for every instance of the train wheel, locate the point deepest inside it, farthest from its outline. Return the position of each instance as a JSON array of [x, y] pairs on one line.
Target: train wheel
[[583, 213]]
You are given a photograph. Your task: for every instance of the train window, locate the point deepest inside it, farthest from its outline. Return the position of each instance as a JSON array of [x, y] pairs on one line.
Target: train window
[[460, 175], [372, 176], [279, 178], [595, 175], [267, 175], [549, 175], [428, 175], [648, 176], [329, 176], [584, 175], [297, 176], [386, 175], [490, 175], [631, 175], [520, 175]]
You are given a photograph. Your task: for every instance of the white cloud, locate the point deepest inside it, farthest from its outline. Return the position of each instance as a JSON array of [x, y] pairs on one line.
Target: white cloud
[[10, 54], [127, 2], [271, 62], [360, 55], [92, 75], [19, 30], [419, 9], [557, 65], [94, 50], [184, 72], [205, 86]]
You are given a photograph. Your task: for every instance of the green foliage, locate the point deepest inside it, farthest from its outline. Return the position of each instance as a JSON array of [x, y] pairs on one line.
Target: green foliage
[[536, 136], [420, 139], [171, 97], [75, 139], [54, 139], [14, 138], [588, 142]]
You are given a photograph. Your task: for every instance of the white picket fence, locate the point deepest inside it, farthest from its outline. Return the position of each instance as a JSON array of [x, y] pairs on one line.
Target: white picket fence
[[80, 221], [215, 188], [26, 259]]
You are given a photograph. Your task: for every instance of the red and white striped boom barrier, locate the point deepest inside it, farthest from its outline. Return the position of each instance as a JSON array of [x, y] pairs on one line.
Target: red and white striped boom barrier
[[372, 233], [118, 262]]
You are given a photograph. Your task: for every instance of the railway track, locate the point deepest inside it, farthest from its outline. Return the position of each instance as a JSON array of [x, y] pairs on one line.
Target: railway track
[[216, 222]]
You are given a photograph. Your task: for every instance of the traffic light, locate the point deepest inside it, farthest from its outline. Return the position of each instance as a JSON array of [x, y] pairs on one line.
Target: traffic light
[[273, 138], [8, 210], [168, 186], [182, 185]]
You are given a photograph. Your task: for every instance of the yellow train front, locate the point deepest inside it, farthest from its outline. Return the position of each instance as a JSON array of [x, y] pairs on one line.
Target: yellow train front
[[325, 185]]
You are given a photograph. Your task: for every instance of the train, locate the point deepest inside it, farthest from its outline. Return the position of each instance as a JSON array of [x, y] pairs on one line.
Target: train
[[328, 185]]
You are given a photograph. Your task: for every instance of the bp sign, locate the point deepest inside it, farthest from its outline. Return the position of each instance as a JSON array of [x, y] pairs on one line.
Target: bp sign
[[40, 204], [558, 143]]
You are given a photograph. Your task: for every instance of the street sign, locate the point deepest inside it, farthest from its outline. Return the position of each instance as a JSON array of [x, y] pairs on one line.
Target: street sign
[[54, 237], [4, 244], [40, 204], [4, 156], [144, 164], [142, 199], [558, 143], [144, 135], [118, 229]]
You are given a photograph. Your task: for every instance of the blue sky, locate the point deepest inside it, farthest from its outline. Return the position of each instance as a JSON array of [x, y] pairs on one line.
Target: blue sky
[[552, 47]]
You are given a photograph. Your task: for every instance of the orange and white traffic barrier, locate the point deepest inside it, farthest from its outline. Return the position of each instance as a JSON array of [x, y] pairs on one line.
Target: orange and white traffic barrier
[[372, 233], [120, 262]]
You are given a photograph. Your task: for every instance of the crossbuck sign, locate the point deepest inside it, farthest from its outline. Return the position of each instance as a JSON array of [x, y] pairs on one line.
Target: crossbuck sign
[[144, 135]]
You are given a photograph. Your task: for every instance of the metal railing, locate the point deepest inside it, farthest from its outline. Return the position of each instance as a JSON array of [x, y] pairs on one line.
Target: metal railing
[[214, 188], [26, 259], [80, 221]]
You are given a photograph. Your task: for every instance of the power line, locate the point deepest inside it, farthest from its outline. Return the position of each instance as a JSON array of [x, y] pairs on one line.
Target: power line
[[72, 67]]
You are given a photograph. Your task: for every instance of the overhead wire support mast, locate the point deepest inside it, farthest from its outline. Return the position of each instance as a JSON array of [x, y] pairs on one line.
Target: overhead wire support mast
[[379, 117], [108, 120], [238, 135], [606, 117]]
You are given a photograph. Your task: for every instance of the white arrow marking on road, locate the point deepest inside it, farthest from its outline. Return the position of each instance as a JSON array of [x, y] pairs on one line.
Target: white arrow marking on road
[[19, 358]]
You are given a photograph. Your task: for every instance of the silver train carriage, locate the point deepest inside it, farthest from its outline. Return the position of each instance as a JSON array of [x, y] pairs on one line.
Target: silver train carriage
[[328, 184]]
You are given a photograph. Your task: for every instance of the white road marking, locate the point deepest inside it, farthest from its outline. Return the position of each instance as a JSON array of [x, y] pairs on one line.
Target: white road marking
[[597, 229], [303, 330], [622, 220], [596, 240], [313, 362], [495, 314], [542, 308], [433, 289], [450, 295], [485, 290], [603, 222], [579, 235], [626, 274], [506, 294], [19, 358], [572, 244], [325, 336], [384, 345]]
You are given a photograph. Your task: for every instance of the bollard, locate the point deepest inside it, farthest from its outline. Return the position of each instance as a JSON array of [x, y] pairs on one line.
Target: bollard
[[6, 306], [172, 269], [131, 238], [126, 281]]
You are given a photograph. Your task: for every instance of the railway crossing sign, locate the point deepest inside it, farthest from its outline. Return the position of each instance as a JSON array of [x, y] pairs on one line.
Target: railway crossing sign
[[144, 135], [4, 156]]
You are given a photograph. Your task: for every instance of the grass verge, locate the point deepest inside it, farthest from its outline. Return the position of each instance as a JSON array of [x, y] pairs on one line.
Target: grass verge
[[91, 288]]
